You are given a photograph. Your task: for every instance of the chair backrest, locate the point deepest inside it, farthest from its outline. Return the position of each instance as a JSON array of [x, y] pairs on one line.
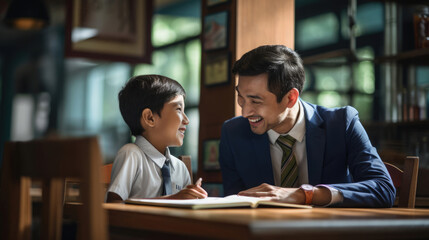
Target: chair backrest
[[405, 180], [187, 161], [72, 184], [52, 161], [106, 173]]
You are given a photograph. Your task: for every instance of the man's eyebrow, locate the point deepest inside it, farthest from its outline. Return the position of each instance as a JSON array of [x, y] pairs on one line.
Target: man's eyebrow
[[249, 96], [254, 97]]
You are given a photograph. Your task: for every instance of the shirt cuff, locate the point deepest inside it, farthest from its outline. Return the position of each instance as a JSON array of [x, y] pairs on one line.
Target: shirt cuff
[[336, 195]]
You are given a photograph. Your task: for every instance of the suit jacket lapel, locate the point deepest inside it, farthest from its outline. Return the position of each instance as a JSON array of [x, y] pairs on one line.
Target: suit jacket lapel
[[262, 158], [315, 143]]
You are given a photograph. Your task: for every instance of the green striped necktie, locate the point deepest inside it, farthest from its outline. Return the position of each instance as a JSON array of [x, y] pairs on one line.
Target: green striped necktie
[[289, 167]]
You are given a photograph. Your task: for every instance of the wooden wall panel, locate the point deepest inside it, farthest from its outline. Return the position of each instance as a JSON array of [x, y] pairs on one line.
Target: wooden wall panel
[[259, 23], [251, 23]]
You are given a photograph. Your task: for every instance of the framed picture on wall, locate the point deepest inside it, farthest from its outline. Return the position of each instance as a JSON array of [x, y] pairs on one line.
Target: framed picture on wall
[[216, 31], [118, 30], [211, 154], [215, 2], [216, 68]]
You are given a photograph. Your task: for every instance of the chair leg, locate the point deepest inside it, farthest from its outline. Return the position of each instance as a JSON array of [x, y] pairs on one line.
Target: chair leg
[[15, 202], [407, 196], [52, 209], [26, 208]]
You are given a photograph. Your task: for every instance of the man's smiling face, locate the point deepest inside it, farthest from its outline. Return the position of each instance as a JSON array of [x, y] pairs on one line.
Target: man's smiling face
[[260, 106]]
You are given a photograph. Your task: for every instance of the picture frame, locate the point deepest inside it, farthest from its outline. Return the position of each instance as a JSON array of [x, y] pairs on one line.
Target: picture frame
[[213, 189], [216, 30], [116, 31], [216, 68], [211, 154], [211, 3]]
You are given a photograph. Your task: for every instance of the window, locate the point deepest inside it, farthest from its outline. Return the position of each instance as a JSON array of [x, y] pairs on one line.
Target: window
[[338, 85], [90, 104], [322, 27], [317, 31], [178, 56]]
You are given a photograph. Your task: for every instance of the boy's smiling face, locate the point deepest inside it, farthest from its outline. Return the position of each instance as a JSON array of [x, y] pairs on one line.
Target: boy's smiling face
[[170, 126]]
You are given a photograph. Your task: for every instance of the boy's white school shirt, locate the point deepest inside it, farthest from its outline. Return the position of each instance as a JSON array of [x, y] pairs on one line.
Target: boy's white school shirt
[[136, 171]]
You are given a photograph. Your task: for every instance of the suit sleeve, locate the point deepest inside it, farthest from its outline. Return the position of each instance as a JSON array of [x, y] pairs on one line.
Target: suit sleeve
[[372, 185], [232, 182]]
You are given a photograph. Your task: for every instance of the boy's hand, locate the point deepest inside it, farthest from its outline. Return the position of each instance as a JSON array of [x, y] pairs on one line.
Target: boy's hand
[[190, 192]]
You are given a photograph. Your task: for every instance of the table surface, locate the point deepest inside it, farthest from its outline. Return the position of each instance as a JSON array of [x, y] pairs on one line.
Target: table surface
[[273, 223]]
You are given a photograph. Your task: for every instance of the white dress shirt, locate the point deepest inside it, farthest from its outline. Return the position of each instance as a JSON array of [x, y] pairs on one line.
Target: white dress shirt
[[136, 171]]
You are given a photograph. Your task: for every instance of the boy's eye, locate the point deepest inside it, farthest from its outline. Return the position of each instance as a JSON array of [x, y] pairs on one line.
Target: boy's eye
[[255, 102]]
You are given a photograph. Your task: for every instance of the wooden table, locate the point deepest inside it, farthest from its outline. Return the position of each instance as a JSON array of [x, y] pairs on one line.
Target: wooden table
[[267, 223]]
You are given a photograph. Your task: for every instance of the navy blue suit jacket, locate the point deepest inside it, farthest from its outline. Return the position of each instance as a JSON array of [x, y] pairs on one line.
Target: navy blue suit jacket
[[339, 154]]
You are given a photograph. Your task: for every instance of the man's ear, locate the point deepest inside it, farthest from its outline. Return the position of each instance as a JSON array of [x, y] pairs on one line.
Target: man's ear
[[291, 97], [147, 119]]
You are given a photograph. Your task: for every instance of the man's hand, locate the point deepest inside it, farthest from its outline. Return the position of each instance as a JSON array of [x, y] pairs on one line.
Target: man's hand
[[288, 195], [190, 192], [321, 195]]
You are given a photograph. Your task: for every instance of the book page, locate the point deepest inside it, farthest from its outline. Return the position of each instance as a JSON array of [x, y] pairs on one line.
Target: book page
[[265, 201], [213, 202], [210, 202], [253, 200]]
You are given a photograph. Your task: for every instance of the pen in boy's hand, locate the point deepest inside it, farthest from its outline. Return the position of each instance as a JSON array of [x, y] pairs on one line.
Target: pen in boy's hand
[[198, 182]]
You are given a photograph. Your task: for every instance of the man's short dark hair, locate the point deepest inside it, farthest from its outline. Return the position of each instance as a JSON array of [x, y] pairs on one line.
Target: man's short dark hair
[[146, 91], [282, 64]]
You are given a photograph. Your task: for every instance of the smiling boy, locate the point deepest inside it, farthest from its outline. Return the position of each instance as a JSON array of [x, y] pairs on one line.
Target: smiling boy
[[154, 109]]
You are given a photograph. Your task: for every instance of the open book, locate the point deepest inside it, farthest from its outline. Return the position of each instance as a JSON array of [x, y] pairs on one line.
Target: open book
[[214, 202]]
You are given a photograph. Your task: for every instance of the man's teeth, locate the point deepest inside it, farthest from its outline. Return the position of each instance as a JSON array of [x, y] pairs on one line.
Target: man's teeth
[[253, 120]]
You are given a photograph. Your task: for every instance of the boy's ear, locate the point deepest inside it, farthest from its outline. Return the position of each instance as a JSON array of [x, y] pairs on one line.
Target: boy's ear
[[147, 118]]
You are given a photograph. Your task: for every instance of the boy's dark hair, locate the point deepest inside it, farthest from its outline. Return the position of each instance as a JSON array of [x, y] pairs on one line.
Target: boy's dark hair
[[282, 64], [146, 91]]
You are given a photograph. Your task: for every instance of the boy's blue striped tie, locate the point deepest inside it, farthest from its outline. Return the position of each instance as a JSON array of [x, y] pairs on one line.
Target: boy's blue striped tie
[[165, 170], [289, 167]]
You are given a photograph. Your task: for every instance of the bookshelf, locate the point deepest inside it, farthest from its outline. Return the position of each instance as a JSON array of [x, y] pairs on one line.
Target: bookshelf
[[404, 127]]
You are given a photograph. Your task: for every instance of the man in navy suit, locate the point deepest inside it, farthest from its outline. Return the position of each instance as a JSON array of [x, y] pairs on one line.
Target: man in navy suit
[[328, 159]]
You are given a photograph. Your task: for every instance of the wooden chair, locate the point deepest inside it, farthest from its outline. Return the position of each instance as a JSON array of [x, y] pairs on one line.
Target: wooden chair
[[72, 184], [405, 181], [106, 172], [187, 161], [51, 160]]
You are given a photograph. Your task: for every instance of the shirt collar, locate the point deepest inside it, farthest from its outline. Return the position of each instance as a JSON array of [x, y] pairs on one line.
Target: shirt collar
[[297, 131], [152, 152]]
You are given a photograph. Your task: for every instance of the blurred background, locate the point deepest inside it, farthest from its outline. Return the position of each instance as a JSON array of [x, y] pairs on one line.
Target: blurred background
[[45, 94], [372, 55]]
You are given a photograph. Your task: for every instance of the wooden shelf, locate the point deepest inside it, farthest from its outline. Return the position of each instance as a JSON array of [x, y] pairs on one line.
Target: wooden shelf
[[318, 58], [419, 124], [416, 56]]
